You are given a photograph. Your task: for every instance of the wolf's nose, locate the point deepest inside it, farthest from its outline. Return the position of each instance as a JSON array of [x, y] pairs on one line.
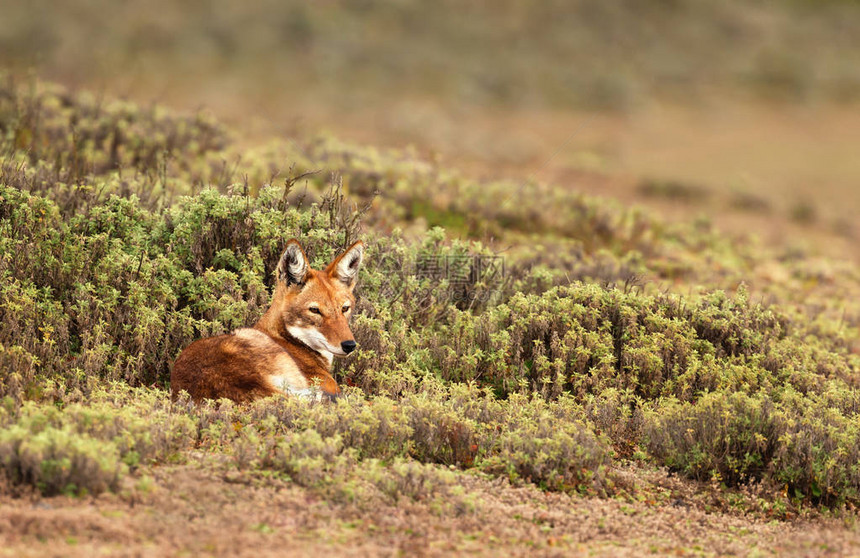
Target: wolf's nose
[[348, 346]]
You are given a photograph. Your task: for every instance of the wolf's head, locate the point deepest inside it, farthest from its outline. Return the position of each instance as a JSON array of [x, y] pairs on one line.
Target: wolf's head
[[313, 307]]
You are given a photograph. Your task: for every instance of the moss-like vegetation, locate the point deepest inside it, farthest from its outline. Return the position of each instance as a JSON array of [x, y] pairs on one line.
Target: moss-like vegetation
[[611, 336]]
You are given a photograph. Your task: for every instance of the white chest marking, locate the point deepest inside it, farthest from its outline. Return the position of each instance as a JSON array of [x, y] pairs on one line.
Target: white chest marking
[[284, 373]]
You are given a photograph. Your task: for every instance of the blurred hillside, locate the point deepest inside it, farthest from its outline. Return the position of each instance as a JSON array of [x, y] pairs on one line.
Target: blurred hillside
[[741, 112], [551, 54]]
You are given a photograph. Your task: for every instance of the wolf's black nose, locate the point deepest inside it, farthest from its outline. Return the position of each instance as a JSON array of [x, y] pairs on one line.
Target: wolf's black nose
[[348, 346]]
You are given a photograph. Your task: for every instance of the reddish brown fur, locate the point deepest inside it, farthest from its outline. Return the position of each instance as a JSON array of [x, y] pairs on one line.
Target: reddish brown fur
[[243, 365]]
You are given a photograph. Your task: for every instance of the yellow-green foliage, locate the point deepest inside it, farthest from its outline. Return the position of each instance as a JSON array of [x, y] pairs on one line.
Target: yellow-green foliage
[[802, 442], [87, 448], [58, 459], [460, 426], [613, 335]]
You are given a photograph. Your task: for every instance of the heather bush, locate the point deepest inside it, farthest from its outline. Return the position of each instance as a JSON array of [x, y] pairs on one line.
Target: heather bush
[[575, 360], [583, 339], [78, 135], [89, 447], [457, 426], [793, 442], [726, 437], [58, 460], [818, 454]]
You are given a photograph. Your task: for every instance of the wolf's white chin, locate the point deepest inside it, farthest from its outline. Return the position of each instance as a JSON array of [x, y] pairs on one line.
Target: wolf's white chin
[[316, 341]]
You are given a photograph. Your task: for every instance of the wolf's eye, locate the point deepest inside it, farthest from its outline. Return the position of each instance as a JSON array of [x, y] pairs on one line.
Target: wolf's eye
[[345, 308], [315, 310]]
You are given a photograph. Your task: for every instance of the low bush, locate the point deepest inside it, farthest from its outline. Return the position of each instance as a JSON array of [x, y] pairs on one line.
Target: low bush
[[459, 426], [728, 438], [58, 460], [549, 374], [88, 448], [794, 443]]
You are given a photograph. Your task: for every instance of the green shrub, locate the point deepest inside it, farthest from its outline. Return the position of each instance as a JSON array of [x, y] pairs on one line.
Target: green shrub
[[574, 360], [583, 339], [58, 460], [78, 135], [527, 439], [417, 482], [796, 442], [726, 437], [88, 448], [818, 454]]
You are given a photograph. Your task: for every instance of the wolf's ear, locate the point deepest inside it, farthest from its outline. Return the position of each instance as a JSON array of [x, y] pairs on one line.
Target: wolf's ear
[[293, 267], [344, 268]]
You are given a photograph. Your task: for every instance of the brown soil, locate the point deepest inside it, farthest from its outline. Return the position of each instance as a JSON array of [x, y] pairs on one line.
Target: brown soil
[[190, 510]]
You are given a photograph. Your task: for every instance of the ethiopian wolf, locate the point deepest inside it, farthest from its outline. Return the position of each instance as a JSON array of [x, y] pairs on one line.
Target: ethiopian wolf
[[290, 349]]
